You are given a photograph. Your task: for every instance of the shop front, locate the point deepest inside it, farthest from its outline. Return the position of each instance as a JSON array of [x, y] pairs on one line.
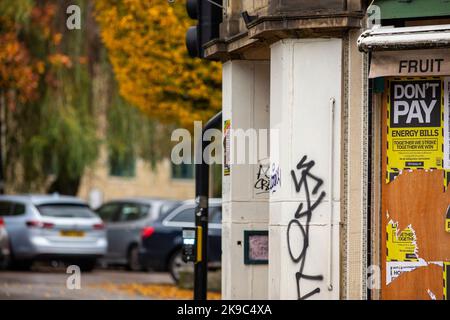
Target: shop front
[[410, 172]]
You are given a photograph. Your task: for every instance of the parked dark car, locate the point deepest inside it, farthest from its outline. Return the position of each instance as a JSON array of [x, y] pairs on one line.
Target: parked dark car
[[161, 244], [125, 220]]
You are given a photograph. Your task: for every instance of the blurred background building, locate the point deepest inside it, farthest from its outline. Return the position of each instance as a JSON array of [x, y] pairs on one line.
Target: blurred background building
[[77, 118]]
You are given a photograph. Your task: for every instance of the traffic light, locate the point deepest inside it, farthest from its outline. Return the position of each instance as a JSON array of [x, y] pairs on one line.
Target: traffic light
[[209, 16]]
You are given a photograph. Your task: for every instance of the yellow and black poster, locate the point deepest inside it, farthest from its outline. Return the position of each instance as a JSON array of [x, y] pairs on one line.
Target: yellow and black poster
[[415, 125], [226, 147], [446, 280]]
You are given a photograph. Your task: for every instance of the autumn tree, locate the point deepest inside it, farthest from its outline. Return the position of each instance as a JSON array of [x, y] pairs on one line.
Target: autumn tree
[[145, 42], [54, 84], [18, 73], [45, 85]]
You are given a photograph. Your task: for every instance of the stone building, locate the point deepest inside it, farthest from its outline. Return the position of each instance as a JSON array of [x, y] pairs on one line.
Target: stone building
[[297, 69]]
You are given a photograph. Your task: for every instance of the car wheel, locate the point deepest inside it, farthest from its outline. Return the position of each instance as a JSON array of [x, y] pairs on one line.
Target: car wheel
[[21, 265], [5, 263], [133, 259], [88, 265], [176, 265]]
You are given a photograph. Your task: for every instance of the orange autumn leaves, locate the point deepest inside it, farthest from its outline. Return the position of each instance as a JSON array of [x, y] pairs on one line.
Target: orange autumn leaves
[[154, 291], [18, 76], [146, 46], [21, 69], [145, 40]]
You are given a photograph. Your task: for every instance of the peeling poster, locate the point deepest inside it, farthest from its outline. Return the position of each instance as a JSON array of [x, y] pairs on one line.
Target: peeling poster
[[446, 280], [401, 251], [400, 246], [226, 147]]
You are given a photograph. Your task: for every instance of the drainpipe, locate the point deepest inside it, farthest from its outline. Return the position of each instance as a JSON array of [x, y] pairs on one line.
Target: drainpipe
[[201, 212]]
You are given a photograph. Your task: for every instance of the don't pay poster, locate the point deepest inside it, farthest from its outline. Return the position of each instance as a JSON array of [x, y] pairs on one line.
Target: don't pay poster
[[415, 123]]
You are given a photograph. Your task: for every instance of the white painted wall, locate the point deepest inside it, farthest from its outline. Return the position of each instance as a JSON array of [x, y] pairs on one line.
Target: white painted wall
[[305, 75], [246, 103]]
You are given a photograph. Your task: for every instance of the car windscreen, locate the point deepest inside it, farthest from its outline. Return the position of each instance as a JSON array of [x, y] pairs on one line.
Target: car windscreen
[[65, 210]]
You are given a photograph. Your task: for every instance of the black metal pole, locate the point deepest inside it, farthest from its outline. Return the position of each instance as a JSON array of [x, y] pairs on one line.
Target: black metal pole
[[201, 212], [2, 116]]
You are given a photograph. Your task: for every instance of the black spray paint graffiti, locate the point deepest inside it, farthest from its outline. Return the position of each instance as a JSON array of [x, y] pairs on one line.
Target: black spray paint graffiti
[[262, 183], [266, 181], [303, 183]]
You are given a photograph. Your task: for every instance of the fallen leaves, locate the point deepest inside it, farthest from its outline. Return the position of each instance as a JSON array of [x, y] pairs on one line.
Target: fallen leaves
[[155, 291]]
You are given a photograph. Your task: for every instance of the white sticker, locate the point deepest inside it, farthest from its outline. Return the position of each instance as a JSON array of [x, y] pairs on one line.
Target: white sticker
[[431, 294], [396, 268]]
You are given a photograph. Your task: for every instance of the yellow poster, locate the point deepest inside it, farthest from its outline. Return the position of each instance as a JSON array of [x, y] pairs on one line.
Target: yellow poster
[[226, 147], [446, 280], [400, 245], [415, 113], [447, 220]]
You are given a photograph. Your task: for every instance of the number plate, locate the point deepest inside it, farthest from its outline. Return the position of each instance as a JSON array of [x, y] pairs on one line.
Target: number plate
[[71, 233]]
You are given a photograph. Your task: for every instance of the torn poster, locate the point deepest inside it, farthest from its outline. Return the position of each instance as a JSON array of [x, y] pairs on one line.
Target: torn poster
[[446, 281], [431, 294], [396, 268], [401, 251], [400, 246], [446, 163], [447, 219]]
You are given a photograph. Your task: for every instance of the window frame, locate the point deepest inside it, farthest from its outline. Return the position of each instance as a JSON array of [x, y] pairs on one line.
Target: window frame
[[181, 177], [138, 205], [116, 214], [11, 206], [122, 168], [40, 206], [13, 209]]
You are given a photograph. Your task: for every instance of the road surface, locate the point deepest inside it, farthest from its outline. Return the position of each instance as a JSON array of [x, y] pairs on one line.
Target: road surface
[[51, 283]]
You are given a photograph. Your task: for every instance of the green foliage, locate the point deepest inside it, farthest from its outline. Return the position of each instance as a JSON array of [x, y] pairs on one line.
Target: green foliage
[[55, 135], [16, 10], [131, 133]]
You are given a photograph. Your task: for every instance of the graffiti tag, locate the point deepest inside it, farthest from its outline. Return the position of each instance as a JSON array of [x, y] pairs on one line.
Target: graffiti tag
[[304, 210]]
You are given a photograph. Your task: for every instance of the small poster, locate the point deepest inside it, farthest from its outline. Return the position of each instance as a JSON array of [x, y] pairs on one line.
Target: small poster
[[226, 147], [256, 247], [415, 124], [446, 123]]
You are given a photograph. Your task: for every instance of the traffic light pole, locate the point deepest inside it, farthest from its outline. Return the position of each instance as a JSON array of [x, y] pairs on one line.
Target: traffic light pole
[[201, 213], [209, 14]]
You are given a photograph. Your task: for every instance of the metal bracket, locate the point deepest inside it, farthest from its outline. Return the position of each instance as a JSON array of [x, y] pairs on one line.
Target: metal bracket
[[216, 4], [202, 201]]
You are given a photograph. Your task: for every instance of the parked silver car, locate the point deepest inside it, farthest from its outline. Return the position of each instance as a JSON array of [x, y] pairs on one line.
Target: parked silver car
[[52, 227], [126, 220], [4, 245]]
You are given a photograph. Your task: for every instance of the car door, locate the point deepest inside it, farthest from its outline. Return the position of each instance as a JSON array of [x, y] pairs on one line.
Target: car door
[[184, 217], [215, 233], [110, 215], [129, 227], [14, 216]]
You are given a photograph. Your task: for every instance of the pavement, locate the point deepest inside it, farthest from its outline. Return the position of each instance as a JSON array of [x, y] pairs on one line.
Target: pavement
[[47, 282]]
